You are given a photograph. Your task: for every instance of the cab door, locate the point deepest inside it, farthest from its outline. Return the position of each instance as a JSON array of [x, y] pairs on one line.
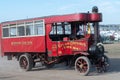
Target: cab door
[[51, 45]]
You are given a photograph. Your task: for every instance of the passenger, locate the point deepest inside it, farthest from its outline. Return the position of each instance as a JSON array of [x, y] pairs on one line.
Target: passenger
[[80, 32]]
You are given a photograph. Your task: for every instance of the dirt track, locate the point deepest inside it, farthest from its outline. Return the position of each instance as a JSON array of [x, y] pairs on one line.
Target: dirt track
[[9, 70]]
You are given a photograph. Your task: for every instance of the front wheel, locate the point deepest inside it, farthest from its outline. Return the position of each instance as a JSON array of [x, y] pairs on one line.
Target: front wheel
[[82, 65], [26, 62], [104, 64]]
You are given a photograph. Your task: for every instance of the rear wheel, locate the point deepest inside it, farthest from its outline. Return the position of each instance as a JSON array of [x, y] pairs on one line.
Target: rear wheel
[[82, 65], [26, 62]]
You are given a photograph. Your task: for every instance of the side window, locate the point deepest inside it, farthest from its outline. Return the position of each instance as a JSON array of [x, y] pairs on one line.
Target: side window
[[38, 28], [59, 31], [53, 31], [21, 31], [5, 32], [61, 28], [68, 29], [13, 31], [32, 28], [56, 29], [29, 30]]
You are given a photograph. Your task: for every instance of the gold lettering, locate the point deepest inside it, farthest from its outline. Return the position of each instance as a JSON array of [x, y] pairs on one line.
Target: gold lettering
[[21, 43]]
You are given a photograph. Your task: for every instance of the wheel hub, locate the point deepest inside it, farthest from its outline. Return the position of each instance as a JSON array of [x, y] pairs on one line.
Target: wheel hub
[[81, 66]]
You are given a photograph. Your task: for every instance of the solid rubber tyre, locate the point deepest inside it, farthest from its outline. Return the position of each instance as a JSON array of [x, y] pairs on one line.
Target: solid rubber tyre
[[26, 62], [83, 65]]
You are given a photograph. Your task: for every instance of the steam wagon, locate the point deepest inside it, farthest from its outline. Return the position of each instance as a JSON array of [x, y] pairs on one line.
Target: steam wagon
[[72, 38]]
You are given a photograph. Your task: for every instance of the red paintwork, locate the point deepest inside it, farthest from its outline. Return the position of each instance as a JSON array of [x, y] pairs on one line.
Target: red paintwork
[[70, 47], [96, 17], [1, 53], [67, 18], [83, 17], [43, 43], [24, 44]]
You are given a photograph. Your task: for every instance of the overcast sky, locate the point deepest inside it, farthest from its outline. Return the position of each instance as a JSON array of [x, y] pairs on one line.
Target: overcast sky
[[22, 9]]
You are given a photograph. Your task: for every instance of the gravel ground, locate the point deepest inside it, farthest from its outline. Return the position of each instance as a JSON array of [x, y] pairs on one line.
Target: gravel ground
[[9, 70]]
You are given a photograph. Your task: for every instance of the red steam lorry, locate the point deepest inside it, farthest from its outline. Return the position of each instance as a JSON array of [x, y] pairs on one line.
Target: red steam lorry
[[55, 39]]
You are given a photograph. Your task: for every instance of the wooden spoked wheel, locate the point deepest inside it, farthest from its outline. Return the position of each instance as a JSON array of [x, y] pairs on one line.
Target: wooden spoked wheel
[[26, 62], [82, 65]]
